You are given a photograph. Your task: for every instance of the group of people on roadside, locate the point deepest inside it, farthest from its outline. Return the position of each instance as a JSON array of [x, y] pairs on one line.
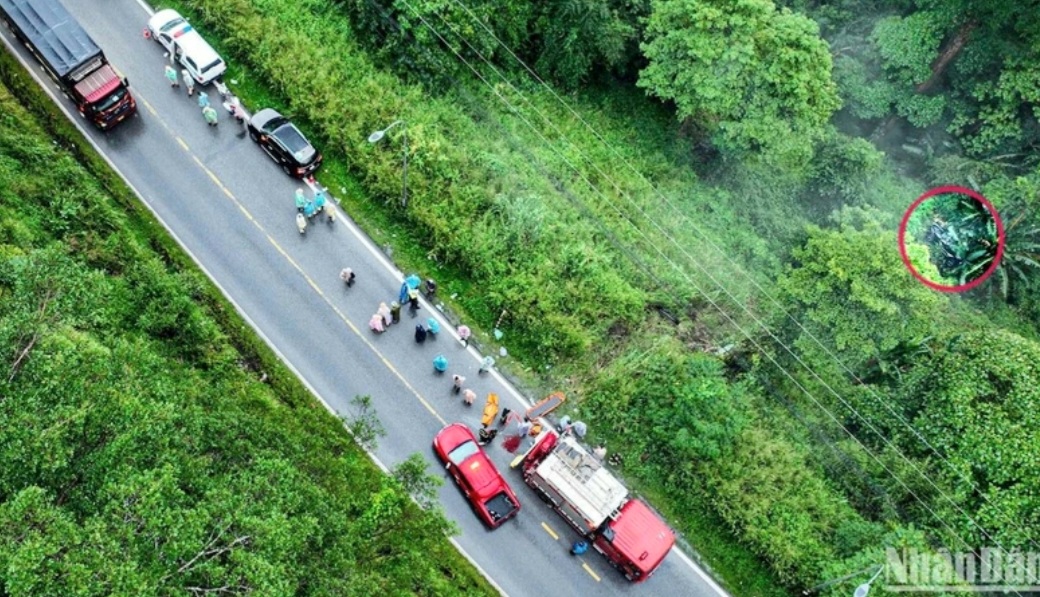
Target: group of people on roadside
[[308, 208], [231, 103]]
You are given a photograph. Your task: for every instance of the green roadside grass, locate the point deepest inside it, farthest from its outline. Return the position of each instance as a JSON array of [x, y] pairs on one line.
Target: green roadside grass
[[740, 570], [326, 447]]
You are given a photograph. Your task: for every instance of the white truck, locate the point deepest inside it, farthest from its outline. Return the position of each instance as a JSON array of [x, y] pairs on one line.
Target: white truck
[[593, 501]]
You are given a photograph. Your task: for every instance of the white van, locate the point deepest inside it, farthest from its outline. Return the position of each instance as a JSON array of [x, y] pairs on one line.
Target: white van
[[179, 38]]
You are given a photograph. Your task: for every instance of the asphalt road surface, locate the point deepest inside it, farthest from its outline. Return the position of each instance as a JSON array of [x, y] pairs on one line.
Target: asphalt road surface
[[232, 209]]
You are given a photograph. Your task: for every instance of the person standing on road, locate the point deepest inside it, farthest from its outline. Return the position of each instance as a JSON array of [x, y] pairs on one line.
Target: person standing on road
[[319, 201], [203, 99], [301, 200], [468, 396], [171, 76], [301, 223], [464, 334], [384, 312], [189, 83], [486, 364], [395, 312], [413, 301], [457, 381], [347, 275], [210, 115], [524, 428]]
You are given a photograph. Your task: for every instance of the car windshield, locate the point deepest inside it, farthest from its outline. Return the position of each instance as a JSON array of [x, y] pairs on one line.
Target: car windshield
[[462, 452], [172, 24], [113, 98]]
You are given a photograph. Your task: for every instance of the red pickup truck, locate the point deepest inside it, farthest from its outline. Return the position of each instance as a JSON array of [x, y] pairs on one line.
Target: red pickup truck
[[488, 493]]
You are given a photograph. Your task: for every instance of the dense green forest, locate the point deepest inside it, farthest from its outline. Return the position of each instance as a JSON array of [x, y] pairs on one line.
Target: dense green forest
[[149, 443], [689, 209]]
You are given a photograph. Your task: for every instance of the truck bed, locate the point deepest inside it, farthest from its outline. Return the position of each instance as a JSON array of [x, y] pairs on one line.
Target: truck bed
[[56, 37]]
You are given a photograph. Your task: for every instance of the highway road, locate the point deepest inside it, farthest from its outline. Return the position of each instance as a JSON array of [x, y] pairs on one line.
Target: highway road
[[231, 209]]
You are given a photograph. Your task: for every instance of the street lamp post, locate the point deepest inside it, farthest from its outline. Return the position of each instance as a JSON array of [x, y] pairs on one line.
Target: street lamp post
[[863, 589], [377, 136]]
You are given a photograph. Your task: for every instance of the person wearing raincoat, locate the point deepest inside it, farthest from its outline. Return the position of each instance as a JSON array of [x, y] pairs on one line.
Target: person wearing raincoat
[[301, 200], [376, 323], [486, 364], [413, 300], [188, 81], [420, 334], [210, 115], [468, 396], [347, 275], [440, 363], [309, 210], [171, 76], [433, 325], [384, 312], [203, 99], [464, 334], [319, 201]]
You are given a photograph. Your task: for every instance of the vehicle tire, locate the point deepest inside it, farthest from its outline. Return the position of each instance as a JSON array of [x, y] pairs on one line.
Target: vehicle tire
[[288, 170], [255, 137]]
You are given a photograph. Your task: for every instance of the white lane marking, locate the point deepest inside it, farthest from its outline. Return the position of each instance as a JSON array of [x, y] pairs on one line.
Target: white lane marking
[[368, 243], [281, 356]]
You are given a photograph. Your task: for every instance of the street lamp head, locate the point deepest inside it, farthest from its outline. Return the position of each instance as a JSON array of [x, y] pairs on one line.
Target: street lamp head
[[378, 135], [862, 590]]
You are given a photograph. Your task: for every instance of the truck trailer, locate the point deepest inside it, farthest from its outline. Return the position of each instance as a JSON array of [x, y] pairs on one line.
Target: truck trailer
[[71, 58], [597, 505]]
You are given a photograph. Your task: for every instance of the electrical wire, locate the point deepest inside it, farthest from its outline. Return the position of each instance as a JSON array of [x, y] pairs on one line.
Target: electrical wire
[[515, 109], [736, 267]]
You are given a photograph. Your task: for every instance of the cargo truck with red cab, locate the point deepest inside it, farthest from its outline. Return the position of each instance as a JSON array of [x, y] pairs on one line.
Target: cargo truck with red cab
[[593, 501], [71, 58]]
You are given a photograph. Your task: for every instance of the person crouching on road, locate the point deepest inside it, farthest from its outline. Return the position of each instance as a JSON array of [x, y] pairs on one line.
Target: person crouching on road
[[301, 223]]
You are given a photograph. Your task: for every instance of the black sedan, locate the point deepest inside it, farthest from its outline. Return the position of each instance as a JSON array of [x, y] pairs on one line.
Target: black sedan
[[284, 143]]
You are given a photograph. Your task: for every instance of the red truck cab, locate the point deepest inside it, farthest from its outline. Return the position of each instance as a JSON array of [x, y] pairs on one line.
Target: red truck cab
[[103, 97], [71, 58], [597, 505]]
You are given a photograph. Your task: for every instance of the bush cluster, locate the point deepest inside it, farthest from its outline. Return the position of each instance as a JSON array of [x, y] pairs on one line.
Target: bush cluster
[[138, 453]]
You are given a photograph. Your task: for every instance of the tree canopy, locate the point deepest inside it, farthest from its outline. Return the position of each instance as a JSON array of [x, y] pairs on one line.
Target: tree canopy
[[750, 75], [141, 452]]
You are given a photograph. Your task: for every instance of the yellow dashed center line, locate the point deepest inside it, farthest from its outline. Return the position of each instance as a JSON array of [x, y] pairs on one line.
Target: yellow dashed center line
[[551, 532], [353, 328], [589, 570]]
